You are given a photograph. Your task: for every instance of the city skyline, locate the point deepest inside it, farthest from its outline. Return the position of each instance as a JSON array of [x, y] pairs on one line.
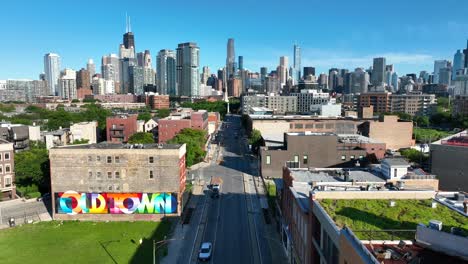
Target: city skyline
[[78, 38]]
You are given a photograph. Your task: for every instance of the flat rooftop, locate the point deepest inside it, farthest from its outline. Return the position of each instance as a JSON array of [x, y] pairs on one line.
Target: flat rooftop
[[364, 215], [105, 145], [335, 175], [457, 140]]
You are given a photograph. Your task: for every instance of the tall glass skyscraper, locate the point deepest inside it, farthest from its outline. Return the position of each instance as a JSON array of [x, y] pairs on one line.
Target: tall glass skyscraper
[[231, 58], [52, 71], [458, 63], [166, 71], [438, 65], [188, 76], [378, 72], [297, 64]]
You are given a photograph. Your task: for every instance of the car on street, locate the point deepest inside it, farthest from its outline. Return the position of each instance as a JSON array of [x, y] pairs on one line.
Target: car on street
[[205, 251]]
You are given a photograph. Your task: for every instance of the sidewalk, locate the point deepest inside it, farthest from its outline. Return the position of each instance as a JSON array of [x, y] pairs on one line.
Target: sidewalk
[[183, 235]]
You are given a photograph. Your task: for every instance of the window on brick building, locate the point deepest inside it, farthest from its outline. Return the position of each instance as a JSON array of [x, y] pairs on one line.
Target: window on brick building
[[117, 175], [117, 159], [305, 159], [98, 174], [343, 157], [7, 156], [90, 158], [151, 159], [151, 176], [7, 168], [109, 159], [268, 159], [1, 169], [98, 158], [109, 175], [90, 174]]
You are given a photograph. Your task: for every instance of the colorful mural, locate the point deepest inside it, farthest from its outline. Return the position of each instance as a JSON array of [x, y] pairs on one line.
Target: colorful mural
[[72, 203]]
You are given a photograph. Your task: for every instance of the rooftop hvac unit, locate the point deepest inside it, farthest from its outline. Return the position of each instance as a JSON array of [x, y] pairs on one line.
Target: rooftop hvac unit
[[435, 224]]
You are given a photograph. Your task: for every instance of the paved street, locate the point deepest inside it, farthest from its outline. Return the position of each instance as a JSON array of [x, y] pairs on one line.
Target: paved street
[[23, 211], [234, 222]]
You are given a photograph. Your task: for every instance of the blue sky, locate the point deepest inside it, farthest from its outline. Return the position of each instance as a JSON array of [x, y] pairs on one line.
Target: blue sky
[[342, 34]]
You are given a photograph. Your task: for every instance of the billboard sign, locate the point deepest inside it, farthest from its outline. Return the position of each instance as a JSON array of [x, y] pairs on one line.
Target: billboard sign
[[73, 203]]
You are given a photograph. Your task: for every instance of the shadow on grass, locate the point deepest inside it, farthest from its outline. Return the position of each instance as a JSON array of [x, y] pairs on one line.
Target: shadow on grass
[[144, 252]]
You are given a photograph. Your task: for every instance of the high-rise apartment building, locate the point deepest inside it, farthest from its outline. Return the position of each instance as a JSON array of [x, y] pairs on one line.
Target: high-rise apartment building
[[205, 74], [465, 53], [137, 80], [378, 72], [67, 85], [110, 68], [144, 59], [188, 69], [166, 71], [241, 63], [283, 70], [52, 71], [358, 82], [82, 79], [231, 58], [125, 77]]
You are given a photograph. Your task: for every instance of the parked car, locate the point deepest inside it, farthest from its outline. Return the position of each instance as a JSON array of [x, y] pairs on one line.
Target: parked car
[[205, 251]]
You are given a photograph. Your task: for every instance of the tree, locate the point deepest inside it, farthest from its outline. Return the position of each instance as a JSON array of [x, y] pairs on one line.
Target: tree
[[255, 140], [80, 141], [141, 138], [75, 101], [421, 121], [32, 167], [195, 140], [144, 116], [162, 113], [414, 155]]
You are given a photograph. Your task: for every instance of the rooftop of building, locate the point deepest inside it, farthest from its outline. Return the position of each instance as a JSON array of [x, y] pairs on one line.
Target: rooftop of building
[[261, 109], [297, 117], [396, 162], [106, 145], [365, 215], [453, 200], [457, 140], [337, 175]]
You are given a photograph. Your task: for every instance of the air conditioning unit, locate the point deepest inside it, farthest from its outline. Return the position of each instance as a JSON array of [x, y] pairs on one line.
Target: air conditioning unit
[[435, 224]]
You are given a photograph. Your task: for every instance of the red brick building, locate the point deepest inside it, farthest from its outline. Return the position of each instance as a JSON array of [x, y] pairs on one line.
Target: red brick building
[[83, 92], [158, 101], [120, 128], [169, 127]]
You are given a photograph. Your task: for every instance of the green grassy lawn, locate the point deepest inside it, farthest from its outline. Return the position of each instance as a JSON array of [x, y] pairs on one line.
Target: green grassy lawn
[[271, 194], [81, 242], [429, 135], [377, 215]]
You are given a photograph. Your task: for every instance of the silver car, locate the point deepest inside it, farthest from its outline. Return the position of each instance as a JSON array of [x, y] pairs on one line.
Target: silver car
[[205, 251]]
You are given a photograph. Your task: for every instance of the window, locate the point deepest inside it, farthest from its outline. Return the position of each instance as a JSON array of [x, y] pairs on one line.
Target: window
[[7, 156], [268, 159], [296, 158], [98, 158], [352, 157], [109, 159], [151, 159], [7, 182], [151, 174], [98, 174], [90, 174], [305, 159], [109, 188], [394, 172], [1, 169], [343, 157], [0, 156], [117, 174], [117, 159], [309, 126], [109, 175], [117, 187], [7, 168], [90, 158], [99, 188], [361, 157], [298, 126]]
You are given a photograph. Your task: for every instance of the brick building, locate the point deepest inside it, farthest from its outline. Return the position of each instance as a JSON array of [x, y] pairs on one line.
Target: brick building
[[317, 150], [170, 126], [7, 170], [114, 98], [82, 93], [213, 122], [152, 176], [120, 128], [460, 105], [159, 101], [380, 101], [389, 129]]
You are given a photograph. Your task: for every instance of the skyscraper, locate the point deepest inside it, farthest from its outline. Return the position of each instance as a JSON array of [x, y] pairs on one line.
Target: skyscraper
[[297, 64], [205, 74], [263, 73], [458, 63], [378, 72], [283, 70], [82, 79], [241, 63], [465, 52], [166, 71], [128, 37], [110, 67], [394, 82], [188, 69], [231, 58], [67, 85], [438, 65], [309, 71], [91, 67], [52, 71]]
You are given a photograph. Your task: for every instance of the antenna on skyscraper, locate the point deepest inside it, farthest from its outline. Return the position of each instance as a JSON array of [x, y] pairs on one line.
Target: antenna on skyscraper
[[126, 22], [129, 25]]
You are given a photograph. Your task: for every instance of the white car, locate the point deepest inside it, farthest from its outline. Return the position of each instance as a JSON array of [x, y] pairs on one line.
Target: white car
[[205, 251]]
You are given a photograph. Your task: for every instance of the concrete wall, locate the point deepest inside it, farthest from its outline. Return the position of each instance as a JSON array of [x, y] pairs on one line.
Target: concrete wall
[[450, 165], [84, 130], [443, 242], [395, 195]]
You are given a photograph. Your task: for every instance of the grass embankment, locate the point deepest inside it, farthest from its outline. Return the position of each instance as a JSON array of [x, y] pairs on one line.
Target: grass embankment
[[378, 215], [81, 242]]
